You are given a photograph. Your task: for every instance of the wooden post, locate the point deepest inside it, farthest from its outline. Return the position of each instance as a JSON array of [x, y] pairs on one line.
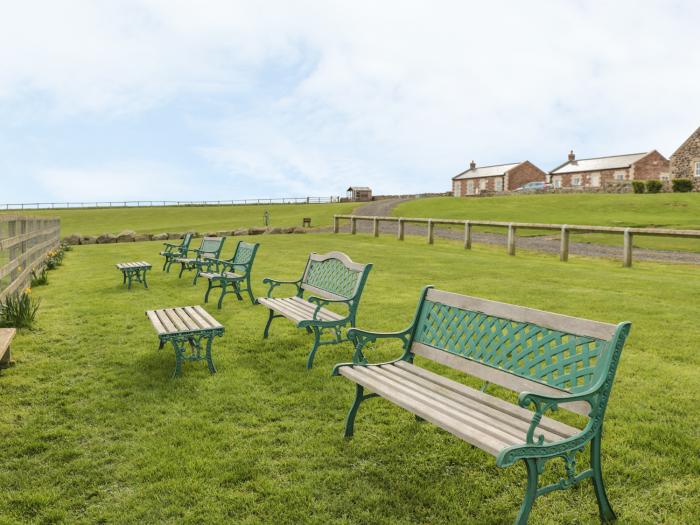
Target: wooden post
[[353, 225], [467, 235], [375, 227], [431, 228], [511, 239], [336, 224], [627, 261], [564, 246], [399, 234]]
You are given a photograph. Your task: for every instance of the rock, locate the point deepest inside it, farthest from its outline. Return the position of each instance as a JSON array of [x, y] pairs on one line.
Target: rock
[[142, 237], [174, 236], [256, 231], [160, 237], [106, 238], [241, 231], [73, 239], [299, 229], [288, 230], [88, 239], [273, 230], [224, 233], [126, 236]]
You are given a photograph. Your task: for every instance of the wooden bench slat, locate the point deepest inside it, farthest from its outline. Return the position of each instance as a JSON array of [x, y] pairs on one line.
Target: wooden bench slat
[[185, 318], [175, 320], [165, 320], [469, 434], [213, 323], [155, 321], [198, 319]]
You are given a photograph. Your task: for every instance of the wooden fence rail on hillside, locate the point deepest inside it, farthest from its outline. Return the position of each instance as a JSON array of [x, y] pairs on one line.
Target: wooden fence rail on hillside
[[24, 243], [512, 227]]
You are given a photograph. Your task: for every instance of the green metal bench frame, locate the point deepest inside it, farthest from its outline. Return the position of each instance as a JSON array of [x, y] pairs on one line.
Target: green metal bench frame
[[333, 279], [220, 273], [209, 248], [553, 361], [173, 251], [134, 270]]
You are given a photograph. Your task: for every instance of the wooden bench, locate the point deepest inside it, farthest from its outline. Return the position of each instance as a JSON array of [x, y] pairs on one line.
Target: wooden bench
[[6, 336], [134, 270], [332, 279], [173, 251], [234, 271], [187, 325], [210, 248], [552, 361]]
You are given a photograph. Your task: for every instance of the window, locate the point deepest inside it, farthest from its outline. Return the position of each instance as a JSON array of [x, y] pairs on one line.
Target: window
[[556, 181], [470, 187], [697, 168], [595, 180], [498, 183], [576, 180], [619, 175], [482, 184], [664, 176]]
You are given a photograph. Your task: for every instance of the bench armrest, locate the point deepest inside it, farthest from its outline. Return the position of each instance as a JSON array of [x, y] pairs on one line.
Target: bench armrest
[[545, 402], [361, 337], [320, 303], [274, 283]]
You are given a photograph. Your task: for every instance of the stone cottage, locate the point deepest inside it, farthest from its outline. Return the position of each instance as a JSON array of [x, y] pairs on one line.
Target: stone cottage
[[597, 172], [495, 179], [685, 161]]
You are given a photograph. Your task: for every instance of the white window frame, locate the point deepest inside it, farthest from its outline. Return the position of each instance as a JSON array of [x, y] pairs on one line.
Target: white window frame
[[595, 180], [576, 180], [482, 184], [470, 187], [556, 181], [697, 168], [619, 175], [498, 184]]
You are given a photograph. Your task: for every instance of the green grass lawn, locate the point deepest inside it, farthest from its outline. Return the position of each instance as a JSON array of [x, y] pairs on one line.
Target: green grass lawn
[[662, 210], [181, 218], [94, 430]]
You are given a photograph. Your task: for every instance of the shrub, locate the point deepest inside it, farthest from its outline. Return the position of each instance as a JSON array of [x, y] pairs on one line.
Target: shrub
[[682, 185], [41, 279], [654, 186], [638, 186], [18, 310]]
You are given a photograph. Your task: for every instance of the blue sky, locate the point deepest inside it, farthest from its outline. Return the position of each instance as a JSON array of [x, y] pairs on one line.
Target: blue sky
[[158, 99]]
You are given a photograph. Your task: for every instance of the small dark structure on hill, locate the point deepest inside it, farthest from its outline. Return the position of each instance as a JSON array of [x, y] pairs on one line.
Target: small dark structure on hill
[[359, 193]]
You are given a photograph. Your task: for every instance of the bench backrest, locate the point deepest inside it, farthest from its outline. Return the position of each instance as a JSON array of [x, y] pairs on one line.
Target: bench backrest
[[516, 347], [211, 247], [334, 276], [185, 244], [244, 256]]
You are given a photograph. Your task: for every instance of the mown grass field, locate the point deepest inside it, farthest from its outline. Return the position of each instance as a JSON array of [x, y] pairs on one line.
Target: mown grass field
[[94, 430], [93, 221], [662, 210]]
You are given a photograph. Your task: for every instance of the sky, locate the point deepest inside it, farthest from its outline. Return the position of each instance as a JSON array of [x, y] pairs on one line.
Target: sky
[[176, 100]]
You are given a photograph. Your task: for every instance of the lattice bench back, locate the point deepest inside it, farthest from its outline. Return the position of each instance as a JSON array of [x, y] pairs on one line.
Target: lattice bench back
[[334, 276], [513, 346], [245, 253], [211, 247]]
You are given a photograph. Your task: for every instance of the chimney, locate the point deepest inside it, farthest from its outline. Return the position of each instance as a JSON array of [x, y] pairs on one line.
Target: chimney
[[572, 156], [472, 165]]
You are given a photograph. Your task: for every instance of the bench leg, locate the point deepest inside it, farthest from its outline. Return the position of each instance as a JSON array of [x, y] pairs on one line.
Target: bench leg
[[266, 333], [237, 290], [145, 284], [196, 276], [209, 287], [123, 278], [530, 492], [317, 342], [179, 356], [210, 362], [221, 297], [350, 419], [606, 512], [249, 289], [182, 269]]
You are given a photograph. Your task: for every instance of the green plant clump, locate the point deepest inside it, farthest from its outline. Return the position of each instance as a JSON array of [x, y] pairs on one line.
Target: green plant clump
[[40, 279], [638, 186], [654, 186], [18, 310], [682, 185]]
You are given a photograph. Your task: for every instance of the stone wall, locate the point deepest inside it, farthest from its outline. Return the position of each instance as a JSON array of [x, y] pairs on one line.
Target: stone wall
[[522, 174], [684, 158], [653, 166]]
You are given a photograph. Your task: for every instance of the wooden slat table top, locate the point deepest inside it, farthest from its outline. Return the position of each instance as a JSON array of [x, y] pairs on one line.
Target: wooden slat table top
[[182, 319], [133, 265], [6, 335]]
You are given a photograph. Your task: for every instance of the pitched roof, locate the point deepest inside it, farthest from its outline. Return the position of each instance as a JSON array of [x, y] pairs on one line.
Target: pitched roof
[[358, 188], [599, 163], [486, 171], [686, 141]]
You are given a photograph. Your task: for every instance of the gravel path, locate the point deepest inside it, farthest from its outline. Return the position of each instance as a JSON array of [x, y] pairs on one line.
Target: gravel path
[[543, 243]]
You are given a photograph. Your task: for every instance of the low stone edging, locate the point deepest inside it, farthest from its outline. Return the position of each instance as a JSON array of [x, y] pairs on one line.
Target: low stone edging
[[131, 236]]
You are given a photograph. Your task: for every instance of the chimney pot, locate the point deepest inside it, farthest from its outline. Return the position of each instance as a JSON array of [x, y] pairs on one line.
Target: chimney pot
[[572, 156], [472, 165]]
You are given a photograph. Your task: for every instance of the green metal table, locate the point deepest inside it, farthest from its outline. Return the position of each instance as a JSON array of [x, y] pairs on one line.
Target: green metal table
[[134, 270], [187, 326]]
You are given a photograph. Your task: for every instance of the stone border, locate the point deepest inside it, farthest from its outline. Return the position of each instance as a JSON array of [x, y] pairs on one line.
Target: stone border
[[131, 236]]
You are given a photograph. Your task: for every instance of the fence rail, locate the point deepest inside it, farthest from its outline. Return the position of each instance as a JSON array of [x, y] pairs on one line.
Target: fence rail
[[24, 243], [512, 227], [153, 203]]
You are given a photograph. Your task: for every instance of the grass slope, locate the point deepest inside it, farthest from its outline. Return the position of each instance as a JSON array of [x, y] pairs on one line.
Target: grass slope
[[662, 210], [95, 431], [199, 218]]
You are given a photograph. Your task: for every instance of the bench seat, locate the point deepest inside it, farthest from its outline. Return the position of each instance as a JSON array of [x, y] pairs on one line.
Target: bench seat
[[6, 336], [480, 419], [298, 310]]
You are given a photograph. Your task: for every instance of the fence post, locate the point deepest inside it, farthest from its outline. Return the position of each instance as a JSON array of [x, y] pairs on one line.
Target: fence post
[[399, 234], [627, 261], [511, 239], [431, 228], [336, 224], [467, 235], [564, 245], [353, 225], [375, 227]]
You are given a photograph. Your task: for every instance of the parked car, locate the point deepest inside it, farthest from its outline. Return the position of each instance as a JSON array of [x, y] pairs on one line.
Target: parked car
[[534, 186]]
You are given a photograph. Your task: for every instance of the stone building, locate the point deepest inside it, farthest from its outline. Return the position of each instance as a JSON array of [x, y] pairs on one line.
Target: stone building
[[359, 193], [495, 179], [597, 172], [685, 161]]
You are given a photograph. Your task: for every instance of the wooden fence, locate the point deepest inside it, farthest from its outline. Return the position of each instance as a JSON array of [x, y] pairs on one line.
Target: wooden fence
[[24, 243], [512, 227]]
